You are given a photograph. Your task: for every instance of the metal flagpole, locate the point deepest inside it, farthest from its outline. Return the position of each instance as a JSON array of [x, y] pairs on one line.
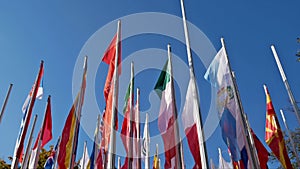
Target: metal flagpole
[[28, 148], [137, 115], [56, 153], [202, 145], [119, 163], [83, 157], [249, 139], [5, 102], [287, 86], [176, 129], [291, 139], [112, 141], [130, 151], [147, 153]]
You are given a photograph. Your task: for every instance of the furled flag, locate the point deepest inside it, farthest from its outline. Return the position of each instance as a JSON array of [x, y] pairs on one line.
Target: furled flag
[[189, 120], [65, 146], [222, 163], [85, 160], [218, 75], [262, 152], [109, 58], [44, 136], [95, 150], [166, 118], [274, 137]]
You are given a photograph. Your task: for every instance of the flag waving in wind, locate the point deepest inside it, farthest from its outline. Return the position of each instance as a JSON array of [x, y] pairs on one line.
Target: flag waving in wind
[[218, 74], [274, 136]]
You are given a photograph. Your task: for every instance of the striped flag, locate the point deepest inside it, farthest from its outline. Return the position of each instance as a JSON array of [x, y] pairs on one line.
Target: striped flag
[[274, 136], [65, 146], [166, 118]]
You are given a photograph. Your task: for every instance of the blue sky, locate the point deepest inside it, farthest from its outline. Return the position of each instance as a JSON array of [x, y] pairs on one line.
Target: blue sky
[[61, 33]]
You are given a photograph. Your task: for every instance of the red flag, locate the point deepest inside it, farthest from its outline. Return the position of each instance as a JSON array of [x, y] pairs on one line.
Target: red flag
[[109, 58], [262, 152], [274, 136], [99, 162]]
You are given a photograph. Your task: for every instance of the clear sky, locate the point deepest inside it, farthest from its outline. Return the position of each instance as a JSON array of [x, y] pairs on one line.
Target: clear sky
[[61, 33]]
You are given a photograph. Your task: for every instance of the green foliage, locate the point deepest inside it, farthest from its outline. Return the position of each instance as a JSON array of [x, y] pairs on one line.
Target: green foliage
[[296, 138], [3, 164]]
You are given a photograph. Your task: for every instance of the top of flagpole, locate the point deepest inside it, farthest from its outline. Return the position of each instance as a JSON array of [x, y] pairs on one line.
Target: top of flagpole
[[278, 63]]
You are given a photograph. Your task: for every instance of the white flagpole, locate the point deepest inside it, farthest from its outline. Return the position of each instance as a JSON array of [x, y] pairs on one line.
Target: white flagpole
[[246, 128], [221, 164], [287, 86], [5, 102], [291, 139], [137, 115], [119, 163], [112, 141], [176, 129], [147, 139], [202, 146], [130, 151], [28, 148]]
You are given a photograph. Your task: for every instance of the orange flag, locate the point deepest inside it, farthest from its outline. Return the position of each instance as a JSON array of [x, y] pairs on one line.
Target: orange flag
[[274, 136], [109, 58]]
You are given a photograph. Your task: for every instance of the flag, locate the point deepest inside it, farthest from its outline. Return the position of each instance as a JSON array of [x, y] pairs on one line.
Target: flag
[[109, 58], [189, 121], [95, 150], [146, 143], [166, 118], [218, 74], [262, 152], [44, 136], [85, 160], [19, 147], [125, 131], [39, 95], [99, 162], [50, 161], [222, 163], [65, 146], [274, 137]]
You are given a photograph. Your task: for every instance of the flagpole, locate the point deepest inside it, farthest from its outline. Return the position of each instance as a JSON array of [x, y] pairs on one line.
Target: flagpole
[[36, 158], [83, 157], [291, 139], [56, 153], [137, 113], [147, 153], [28, 148], [202, 145], [130, 151], [78, 113], [176, 128], [246, 127], [27, 119], [112, 141], [119, 163], [5, 102], [96, 140], [287, 86]]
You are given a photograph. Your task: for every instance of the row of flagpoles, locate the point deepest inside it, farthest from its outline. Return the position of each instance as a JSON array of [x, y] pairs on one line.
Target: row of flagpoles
[[242, 143]]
